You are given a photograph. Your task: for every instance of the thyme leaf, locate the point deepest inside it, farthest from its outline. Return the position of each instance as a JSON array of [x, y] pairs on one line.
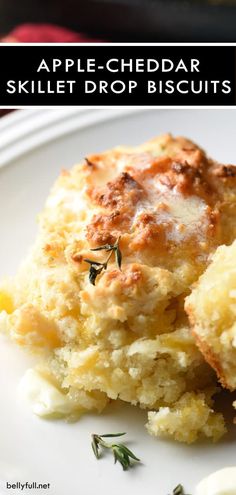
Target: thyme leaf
[[118, 254], [93, 263], [179, 490], [121, 453], [105, 247], [111, 435], [94, 444], [128, 452], [94, 271]]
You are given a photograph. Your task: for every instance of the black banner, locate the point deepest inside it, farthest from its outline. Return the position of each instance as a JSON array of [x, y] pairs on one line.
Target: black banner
[[103, 75]]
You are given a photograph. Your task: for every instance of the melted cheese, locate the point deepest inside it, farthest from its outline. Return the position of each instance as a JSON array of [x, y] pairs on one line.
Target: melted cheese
[[43, 397], [222, 482]]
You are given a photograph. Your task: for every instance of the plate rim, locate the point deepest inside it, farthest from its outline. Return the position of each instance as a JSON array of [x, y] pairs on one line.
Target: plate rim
[[25, 130]]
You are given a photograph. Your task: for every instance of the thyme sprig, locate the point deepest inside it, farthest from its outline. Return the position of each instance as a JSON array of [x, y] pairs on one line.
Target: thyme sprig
[[113, 248], [121, 453], [96, 267]]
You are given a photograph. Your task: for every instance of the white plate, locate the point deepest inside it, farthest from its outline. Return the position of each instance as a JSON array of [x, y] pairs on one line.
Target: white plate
[[34, 146]]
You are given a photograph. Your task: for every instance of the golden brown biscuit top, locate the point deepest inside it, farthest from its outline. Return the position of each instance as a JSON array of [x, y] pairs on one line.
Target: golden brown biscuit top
[[165, 200]]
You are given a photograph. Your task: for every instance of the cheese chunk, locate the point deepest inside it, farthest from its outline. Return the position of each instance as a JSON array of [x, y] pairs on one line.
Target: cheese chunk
[[44, 398], [222, 482]]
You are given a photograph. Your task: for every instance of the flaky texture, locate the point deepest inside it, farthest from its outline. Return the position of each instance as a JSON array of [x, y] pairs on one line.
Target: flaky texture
[[212, 311], [127, 336]]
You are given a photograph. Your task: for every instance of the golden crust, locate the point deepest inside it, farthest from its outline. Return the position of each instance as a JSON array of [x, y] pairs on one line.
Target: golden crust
[[139, 202], [211, 358], [205, 347]]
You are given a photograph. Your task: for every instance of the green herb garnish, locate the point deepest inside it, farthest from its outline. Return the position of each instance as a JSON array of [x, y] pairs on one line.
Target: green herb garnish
[[178, 490], [96, 267], [121, 453], [95, 270], [114, 248]]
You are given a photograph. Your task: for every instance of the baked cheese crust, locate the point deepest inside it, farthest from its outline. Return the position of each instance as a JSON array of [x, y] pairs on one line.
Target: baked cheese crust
[[126, 337]]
